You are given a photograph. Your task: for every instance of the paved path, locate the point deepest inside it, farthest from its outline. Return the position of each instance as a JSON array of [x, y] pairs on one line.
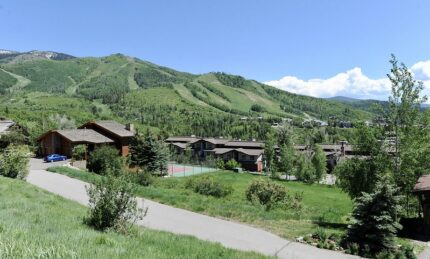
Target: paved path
[[425, 254], [163, 217]]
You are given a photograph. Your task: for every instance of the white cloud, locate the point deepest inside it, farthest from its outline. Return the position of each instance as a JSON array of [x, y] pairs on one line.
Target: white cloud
[[352, 83]]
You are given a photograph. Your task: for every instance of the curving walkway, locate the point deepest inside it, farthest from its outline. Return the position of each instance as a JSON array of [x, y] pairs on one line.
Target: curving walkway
[[167, 218]]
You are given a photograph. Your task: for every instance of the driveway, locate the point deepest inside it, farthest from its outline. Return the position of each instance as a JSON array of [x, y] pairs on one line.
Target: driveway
[[39, 164], [167, 218]]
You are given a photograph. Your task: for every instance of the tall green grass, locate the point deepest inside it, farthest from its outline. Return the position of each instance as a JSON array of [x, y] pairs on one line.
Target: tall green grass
[[37, 224], [323, 206]]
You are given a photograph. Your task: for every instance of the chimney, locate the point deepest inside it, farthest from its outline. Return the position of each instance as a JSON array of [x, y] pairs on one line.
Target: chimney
[[342, 147], [129, 127]]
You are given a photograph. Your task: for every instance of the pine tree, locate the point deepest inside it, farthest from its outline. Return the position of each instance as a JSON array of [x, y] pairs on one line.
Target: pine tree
[[376, 220], [149, 154]]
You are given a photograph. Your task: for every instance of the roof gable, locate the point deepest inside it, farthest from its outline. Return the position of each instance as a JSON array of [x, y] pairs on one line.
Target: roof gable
[[113, 127]]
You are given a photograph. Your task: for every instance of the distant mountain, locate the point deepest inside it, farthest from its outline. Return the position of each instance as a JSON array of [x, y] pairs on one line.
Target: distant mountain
[[10, 56], [343, 99], [366, 104], [133, 89]]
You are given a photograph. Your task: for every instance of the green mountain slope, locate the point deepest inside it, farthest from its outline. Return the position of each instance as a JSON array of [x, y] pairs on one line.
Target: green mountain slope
[[155, 96]]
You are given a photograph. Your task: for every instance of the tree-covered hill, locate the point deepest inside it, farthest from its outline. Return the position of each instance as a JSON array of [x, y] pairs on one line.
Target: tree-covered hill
[[129, 89]]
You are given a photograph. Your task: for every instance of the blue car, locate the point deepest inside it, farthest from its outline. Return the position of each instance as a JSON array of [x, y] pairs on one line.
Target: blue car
[[55, 157]]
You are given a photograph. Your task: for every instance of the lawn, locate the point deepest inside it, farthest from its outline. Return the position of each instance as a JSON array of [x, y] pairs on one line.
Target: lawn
[[323, 206], [37, 224]]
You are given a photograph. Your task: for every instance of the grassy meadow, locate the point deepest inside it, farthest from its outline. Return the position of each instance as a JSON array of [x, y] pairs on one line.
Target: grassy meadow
[[323, 206], [37, 224]]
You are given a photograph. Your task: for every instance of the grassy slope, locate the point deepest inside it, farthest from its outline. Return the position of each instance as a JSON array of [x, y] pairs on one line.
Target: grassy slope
[[37, 224], [324, 206]]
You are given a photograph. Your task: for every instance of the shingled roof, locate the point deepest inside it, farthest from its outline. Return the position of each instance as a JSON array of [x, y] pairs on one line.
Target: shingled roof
[[112, 126], [250, 152], [423, 184], [245, 144], [183, 139], [84, 135], [216, 141]]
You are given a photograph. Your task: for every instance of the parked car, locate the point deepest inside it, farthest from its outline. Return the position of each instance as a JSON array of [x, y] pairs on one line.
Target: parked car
[[54, 157]]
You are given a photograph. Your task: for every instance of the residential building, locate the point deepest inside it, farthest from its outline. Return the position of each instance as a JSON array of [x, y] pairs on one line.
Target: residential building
[[91, 134], [122, 135]]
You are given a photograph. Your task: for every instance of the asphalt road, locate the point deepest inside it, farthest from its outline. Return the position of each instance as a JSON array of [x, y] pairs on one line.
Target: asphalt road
[[167, 218]]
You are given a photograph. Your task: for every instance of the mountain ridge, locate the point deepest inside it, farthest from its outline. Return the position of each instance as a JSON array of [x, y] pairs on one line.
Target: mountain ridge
[[129, 87]]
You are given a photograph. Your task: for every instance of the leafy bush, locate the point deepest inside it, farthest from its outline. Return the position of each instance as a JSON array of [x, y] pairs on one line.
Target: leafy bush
[[320, 234], [16, 137], [105, 159], [143, 178], [112, 204], [266, 193], [79, 152], [257, 108], [208, 186], [219, 163], [231, 164], [14, 161]]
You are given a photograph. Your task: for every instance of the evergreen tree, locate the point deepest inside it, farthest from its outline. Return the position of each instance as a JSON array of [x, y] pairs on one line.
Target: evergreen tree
[[149, 154], [319, 161], [376, 220]]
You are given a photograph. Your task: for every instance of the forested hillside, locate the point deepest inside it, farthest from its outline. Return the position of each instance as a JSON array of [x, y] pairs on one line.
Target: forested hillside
[[36, 85]]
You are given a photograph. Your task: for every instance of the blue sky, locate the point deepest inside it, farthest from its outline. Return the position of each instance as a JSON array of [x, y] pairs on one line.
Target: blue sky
[[262, 40]]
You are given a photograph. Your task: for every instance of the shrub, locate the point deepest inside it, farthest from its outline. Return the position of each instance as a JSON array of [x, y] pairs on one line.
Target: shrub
[[208, 186], [14, 161], [105, 159], [16, 137], [112, 204], [266, 193], [79, 152], [257, 108], [404, 252], [143, 178], [219, 163], [320, 234], [231, 164]]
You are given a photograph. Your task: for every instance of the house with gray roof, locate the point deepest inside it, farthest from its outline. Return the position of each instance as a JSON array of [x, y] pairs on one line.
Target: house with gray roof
[[91, 134]]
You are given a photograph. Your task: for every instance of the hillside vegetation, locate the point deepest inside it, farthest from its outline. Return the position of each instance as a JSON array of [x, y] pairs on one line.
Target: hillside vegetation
[[153, 96]]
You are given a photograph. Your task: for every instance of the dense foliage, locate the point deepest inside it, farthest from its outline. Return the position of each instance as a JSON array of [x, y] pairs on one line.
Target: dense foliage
[[149, 154], [266, 193], [207, 185], [105, 160], [14, 161], [376, 217]]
